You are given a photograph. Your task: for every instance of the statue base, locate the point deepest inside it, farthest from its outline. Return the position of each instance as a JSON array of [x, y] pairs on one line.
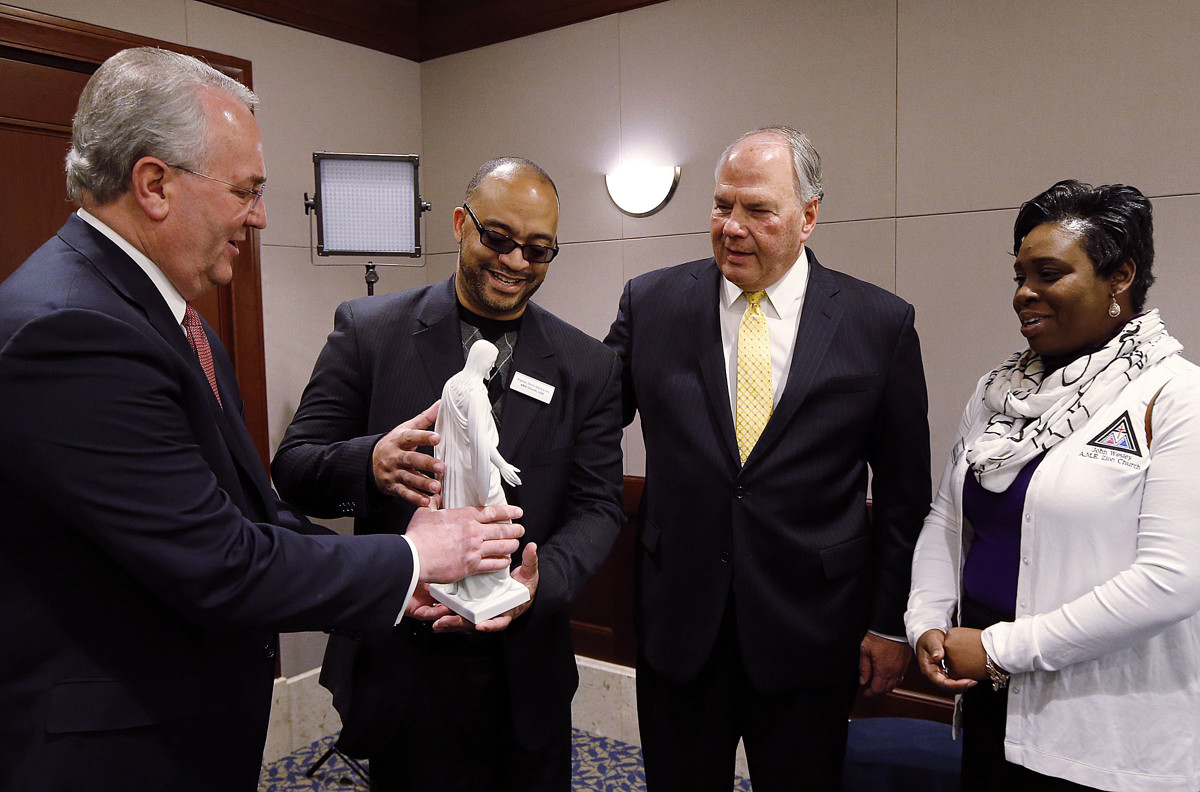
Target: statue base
[[504, 594]]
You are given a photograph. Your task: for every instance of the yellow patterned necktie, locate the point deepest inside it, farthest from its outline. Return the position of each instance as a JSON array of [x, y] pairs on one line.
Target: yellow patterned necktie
[[754, 398]]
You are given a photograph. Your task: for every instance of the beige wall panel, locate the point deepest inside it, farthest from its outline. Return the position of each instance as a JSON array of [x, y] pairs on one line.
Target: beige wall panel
[[299, 301], [640, 256], [583, 286], [697, 73], [160, 19], [635, 449], [865, 249], [1176, 290], [998, 100], [551, 97], [440, 266], [957, 272], [317, 95], [650, 253]]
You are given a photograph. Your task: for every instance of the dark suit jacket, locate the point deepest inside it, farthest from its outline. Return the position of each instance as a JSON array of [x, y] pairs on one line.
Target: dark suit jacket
[[146, 563], [787, 537], [385, 361]]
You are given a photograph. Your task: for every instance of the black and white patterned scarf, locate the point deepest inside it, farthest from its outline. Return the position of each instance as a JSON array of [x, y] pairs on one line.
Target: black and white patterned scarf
[[1032, 412]]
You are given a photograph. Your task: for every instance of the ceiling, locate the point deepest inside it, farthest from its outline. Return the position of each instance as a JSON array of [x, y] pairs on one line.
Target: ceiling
[[423, 29]]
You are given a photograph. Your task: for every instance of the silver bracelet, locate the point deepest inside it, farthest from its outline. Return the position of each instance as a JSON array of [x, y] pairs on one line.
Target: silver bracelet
[[998, 675]]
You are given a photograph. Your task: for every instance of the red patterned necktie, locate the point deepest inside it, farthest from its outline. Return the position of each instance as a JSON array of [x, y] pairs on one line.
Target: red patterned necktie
[[199, 342]]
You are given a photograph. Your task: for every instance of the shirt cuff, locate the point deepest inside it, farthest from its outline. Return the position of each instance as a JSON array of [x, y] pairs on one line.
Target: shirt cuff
[[896, 638], [416, 575]]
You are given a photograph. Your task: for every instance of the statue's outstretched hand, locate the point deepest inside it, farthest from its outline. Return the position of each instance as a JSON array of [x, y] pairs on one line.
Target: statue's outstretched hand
[[509, 474]]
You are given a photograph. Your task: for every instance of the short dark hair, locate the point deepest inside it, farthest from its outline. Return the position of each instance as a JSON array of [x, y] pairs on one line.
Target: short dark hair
[[516, 164], [1115, 220]]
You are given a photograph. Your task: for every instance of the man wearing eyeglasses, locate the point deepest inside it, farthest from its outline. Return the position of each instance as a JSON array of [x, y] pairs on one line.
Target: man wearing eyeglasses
[[555, 395], [147, 564]]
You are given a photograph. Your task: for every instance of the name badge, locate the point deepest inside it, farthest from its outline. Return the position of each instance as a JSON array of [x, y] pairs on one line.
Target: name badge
[[523, 383]]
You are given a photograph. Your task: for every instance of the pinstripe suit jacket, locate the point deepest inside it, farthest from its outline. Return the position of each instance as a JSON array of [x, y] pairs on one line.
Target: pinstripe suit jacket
[[385, 361], [788, 536]]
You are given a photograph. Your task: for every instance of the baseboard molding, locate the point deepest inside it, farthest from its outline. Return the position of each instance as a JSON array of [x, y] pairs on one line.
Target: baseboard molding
[[606, 704], [301, 713]]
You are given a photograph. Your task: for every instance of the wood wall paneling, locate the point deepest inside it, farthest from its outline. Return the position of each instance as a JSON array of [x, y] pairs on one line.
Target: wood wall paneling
[[32, 204], [450, 26], [602, 613], [423, 29], [385, 25]]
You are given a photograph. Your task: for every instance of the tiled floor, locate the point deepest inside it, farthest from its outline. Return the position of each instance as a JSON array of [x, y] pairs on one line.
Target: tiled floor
[[601, 765]]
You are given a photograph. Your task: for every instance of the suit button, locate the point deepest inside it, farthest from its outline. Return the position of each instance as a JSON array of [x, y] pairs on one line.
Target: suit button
[[739, 492], [725, 556], [269, 651]]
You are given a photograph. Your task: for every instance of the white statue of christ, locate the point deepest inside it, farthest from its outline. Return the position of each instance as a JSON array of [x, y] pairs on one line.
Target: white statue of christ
[[474, 467]]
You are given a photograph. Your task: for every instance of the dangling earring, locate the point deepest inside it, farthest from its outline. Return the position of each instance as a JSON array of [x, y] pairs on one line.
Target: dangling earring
[[1114, 310]]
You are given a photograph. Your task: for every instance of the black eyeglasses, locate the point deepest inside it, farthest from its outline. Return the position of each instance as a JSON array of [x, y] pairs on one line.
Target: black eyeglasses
[[494, 240], [241, 192]]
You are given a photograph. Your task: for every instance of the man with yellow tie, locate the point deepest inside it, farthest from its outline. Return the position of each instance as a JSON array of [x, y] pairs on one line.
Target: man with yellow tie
[[768, 385]]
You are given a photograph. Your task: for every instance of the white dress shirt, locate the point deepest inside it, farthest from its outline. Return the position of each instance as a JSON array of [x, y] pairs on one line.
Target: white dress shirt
[[781, 306], [175, 302]]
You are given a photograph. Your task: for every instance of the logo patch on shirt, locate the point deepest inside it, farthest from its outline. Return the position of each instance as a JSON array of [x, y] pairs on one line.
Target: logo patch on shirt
[[1118, 436]]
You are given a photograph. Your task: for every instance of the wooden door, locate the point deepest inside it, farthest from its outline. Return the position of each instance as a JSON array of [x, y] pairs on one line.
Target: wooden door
[[44, 63]]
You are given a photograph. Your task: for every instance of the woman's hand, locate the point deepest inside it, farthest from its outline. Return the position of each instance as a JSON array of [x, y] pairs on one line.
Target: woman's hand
[[965, 655], [931, 659]]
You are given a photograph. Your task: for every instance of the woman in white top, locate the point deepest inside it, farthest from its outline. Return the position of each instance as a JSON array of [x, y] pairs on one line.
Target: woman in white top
[[1056, 581]]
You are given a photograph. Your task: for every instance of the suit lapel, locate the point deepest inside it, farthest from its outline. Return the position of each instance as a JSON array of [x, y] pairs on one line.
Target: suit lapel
[[232, 422], [533, 357], [133, 284], [128, 279], [438, 341], [704, 298], [438, 338], [819, 318]]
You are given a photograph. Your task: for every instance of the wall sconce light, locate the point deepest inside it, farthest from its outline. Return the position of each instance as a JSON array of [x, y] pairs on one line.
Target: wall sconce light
[[367, 205], [641, 190]]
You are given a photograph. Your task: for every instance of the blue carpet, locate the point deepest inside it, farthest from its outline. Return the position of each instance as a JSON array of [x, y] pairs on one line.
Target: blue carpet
[[901, 754], [601, 764], [883, 755]]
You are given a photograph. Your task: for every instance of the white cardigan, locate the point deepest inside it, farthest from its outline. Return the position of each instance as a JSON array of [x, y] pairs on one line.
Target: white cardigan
[[1105, 649]]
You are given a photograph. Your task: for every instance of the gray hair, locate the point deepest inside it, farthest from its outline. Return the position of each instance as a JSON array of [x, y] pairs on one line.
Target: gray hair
[[518, 165], [141, 102], [806, 162]]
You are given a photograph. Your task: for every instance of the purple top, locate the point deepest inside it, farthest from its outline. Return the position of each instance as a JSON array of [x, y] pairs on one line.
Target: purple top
[[990, 574]]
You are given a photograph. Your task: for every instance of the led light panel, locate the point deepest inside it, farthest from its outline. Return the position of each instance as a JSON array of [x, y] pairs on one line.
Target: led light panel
[[367, 204]]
